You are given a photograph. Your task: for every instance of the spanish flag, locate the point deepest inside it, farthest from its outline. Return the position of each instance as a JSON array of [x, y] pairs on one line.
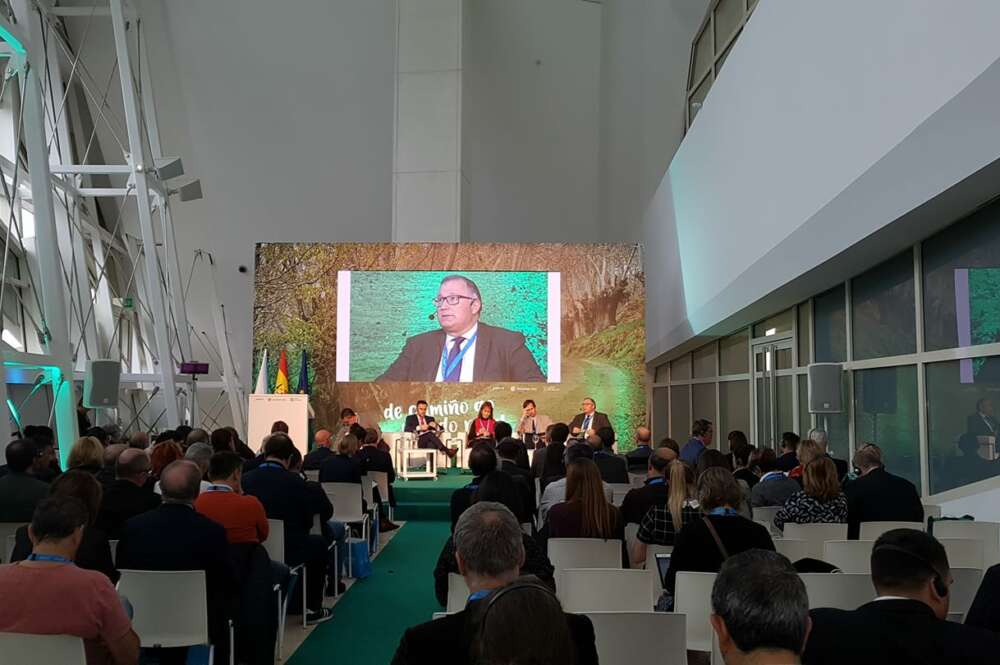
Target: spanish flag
[[281, 382]]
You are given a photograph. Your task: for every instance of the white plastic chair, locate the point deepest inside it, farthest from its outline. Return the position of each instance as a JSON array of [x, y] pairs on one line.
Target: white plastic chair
[[816, 534], [10, 543], [631, 531], [313, 475], [170, 607], [693, 597], [113, 546], [636, 479], [765, 515], [368, 495], [963, 589], [843, 591], [381, 479], [7, 531], [275, 548], [458, 593], [851, 556], [565, 553], [988, 532], [964, 552], [347, 508], [931, 510], [605, 590], [663, 637], [20, 648], [619, 491], [872, 530], [793, 550]]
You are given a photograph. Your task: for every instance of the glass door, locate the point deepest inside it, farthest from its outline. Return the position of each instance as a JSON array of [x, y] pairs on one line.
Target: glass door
[[774, 385]]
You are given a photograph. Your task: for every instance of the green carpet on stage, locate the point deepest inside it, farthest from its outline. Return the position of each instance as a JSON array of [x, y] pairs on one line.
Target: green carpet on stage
[[371, 617], [425, 499]]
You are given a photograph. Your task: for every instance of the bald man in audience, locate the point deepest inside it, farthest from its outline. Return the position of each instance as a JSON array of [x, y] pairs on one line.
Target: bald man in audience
[[111, 453], [323, 441], [638, 457], [129, 495], [139, 440]]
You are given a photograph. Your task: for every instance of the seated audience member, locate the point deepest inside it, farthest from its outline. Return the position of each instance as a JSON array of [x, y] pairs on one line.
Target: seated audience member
[[280, 426], [380, 441], [555, 491], [348, 417], [199, 453], [175, 537], [342, 467], [223, 501], [242, 449], [820, 437], [586, 512], [139, 440], [44, 466], [19, 491], [820, 501], [222, 440], [129, 495], [807, 451], [638, 501], [741, 464], [661, 523], [760, 610], [323, 442], [736, 439], [93, 552], [374, 459], [507, 627], [613, 469], [638, 457], [696, 548], [489, 552], [788, 460], [482, 460], [774, 487], [334, 531], [906, 623], [162, 455], [286, 497], [670, 444], [547, 464], [197, 435], [985, 609], [102, 435], [181, 434], [106, 476], [87, 454], [164, 436], [505, 431], [496, 487], [877, 495], [714, 458], [47, 594], [702, 434], [508, 450]]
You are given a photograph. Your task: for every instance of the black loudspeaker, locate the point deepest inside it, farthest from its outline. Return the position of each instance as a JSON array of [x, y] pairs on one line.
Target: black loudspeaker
[[825, 392], [100, 384], [878, 390]]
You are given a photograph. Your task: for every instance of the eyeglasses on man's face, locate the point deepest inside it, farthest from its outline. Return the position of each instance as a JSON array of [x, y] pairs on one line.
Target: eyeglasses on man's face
[[451, 300]]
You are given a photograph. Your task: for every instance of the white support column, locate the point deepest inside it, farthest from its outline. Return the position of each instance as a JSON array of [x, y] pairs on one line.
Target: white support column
[[427, 163], [104, 316], [139, 167]]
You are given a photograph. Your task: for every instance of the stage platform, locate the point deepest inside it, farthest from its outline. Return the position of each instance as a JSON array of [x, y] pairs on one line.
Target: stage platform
[[426, 499]]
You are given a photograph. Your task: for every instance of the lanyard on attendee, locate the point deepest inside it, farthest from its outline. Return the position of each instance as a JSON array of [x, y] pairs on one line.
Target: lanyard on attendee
[[54, 558], [478, 595], [656, 481], [723, 512], [447, 369], [218, 488], [270, 465], [771, 474]]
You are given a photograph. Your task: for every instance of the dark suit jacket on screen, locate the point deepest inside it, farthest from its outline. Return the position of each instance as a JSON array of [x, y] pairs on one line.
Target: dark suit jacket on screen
[[597, 422], [880, 496], [500, 356], [895, 632], [447, 641]]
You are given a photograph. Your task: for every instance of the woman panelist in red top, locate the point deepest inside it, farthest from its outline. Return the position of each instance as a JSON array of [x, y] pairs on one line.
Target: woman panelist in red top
[[483, 428]]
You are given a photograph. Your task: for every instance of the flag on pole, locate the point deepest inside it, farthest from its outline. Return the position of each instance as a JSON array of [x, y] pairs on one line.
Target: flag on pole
[[281, 381], [261, 387], [303, 388]]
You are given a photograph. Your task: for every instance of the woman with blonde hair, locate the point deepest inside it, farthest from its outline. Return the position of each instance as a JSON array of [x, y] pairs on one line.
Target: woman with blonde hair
[[87, 454], [820, 502], [661, 523]]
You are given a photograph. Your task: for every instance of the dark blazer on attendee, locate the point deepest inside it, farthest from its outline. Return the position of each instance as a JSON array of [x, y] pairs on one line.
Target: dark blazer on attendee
[[786, 462], [526, 484], [638, 501], [613, 469], [19, 494], [985, 609], [448, 640], [373, 458], [462, 499], [286, 497], [500, 356], [597, 422], [315, 458], [976, 425], [638, 459], [879, 496], [340, 469], [895, 632], [122, 501], [841, 466]]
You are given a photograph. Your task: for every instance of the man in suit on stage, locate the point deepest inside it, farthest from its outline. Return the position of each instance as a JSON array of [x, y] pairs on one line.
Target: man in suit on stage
[[532, 425], [426, 429], [464, 349], [587, 423]]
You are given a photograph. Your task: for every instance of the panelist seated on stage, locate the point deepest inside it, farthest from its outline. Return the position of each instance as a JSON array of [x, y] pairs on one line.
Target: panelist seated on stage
[[589, 421], [532, 425], [426, 429], [464, 349], [484, 426]]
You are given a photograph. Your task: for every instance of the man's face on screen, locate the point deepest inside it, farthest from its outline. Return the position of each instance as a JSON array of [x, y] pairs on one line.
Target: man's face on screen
[[461, 316]]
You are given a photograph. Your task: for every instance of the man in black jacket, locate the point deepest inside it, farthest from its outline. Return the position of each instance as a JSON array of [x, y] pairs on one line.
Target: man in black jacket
[[19, 491], [879, 496], [372, 458], [638, 457], [906, 623], [129, 495], [613, 469], [508, 450], [286, 497], [654, 492], [482, 460], [323, 441], [176, 537], [489, 550]]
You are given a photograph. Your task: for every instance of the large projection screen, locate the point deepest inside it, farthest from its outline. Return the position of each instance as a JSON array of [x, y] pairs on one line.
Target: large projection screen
[[552, 322]]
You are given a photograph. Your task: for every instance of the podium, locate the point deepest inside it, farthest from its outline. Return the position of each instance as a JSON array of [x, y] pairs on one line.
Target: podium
[[266, 409]]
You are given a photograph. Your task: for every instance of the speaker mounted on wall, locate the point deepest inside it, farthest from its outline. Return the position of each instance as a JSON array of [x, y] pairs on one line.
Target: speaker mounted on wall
[[825, 388], [100, 384]]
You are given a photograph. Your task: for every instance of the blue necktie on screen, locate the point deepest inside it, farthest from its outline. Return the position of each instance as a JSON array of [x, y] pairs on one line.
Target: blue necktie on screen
[[456, 373]]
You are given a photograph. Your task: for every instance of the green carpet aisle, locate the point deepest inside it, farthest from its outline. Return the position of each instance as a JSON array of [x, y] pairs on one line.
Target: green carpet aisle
[[373, 614], [428, 500]]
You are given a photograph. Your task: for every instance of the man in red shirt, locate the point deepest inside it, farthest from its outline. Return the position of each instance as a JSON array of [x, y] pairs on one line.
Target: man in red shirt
[[48, 595], [223, 501]]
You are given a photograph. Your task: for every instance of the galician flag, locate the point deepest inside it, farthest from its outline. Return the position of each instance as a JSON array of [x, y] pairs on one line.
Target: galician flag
[[261, 387], [281, 381]]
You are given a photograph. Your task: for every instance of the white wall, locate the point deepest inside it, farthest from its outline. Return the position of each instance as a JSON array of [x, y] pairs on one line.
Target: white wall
[[828, 122], [530, 120]]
